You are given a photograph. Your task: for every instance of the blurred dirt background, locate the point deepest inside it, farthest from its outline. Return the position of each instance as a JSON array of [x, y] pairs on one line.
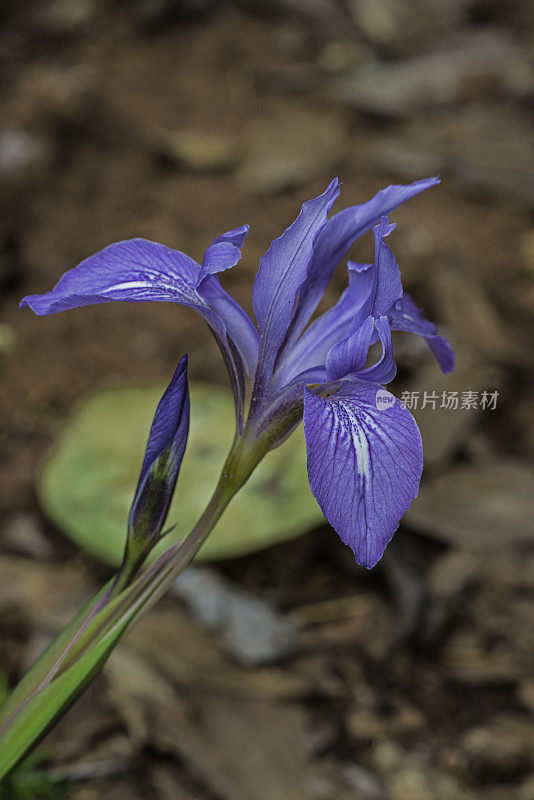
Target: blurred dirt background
[[291, 674]]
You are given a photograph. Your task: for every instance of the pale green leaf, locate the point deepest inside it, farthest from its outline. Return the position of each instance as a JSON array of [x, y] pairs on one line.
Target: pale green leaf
[[86, 485]]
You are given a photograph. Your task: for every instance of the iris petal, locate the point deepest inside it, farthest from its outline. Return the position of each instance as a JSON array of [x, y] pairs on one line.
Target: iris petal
[[132, 271], [138, 270], [385, 368], [350, 355], [331, 327], [224, 252], [335, 240], [364, 463], [388, 288], [236, 236], [280, 275], [406, 316]]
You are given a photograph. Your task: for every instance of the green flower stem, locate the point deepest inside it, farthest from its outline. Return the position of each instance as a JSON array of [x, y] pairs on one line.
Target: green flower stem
[[79, 651]]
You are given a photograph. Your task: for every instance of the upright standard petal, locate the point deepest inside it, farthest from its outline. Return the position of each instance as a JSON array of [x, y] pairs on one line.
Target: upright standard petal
[[406, 316], [335, 240], [163, 456], [388, 286], [281, 273], [365, 460]]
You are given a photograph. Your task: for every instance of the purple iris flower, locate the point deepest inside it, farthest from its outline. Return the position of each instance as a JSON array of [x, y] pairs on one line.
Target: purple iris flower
[[363, 446]]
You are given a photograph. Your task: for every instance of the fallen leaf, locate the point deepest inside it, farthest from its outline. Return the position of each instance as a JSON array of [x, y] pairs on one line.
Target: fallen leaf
[[478, 506], [190, 658], [242, 749]]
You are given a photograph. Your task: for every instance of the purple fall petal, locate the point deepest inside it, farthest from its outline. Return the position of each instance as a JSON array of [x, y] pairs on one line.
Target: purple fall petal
[[406, 316], [133, 271], [138, 270], [364, 464]]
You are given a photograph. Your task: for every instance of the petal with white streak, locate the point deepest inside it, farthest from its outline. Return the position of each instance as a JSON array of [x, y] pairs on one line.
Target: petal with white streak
[[365, 460]]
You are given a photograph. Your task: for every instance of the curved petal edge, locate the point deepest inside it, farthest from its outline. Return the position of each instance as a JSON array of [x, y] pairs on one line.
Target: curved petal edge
[[365, 460]]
